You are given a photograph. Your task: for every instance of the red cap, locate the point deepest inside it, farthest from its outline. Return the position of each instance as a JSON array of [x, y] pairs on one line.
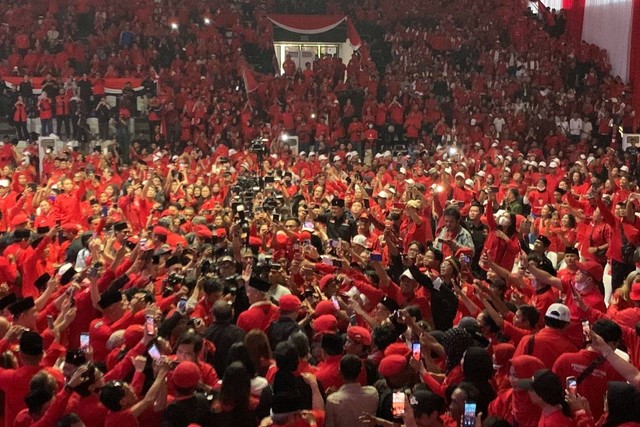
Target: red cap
[[19, 219], [221, 233], [70, 227], [289, 303], [133, 335], [281, 238], [398, 349], [255, 241], [325, 280], [359, 335], [186, 375], [591, 268], [392, 365], [202, 231], [325, 307], [160, 231], [325, 324], [635, 292], [304, 235]]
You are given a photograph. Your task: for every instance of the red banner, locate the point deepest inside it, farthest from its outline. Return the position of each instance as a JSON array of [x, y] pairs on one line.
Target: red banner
[[112, 86]]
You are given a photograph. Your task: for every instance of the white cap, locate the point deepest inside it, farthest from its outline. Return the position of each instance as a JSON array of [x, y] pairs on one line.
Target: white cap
[[322, 157], [495, 144], [478, 144], [64, 268], [460, 174], [359, 240], [507, 169], [274, 156], [245, 165], [481, 173], [447, 170], [590, 159], [583, 156], [387, 153], [232, 152], [439, 162], [336, 158], [379, 155], [508, 158], [553, 165], [383, 194], [624, 168], [542, 164], [559, 312], [526, 162], [392, 190], [409, 181], [403, 171], [302, 153], [407, 274], [533, 163], [174, 158], [468, 183], [312, 153]]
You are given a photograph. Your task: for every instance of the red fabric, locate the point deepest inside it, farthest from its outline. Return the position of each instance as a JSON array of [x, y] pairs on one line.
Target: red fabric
[[575, 17], [634, 59]]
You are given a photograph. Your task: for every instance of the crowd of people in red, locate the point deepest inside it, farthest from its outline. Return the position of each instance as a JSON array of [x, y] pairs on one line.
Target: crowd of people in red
[[454, 241]]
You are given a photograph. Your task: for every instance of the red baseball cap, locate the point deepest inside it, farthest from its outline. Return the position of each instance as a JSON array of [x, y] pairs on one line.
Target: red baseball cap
[[324, 281], [289, 303], [397, 348], [326, 323], [325, 307], [591, 268], [186, 375], [202, 231], [359, 335], [160, 231]]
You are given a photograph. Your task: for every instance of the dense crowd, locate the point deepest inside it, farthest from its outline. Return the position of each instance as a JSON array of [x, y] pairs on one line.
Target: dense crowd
[[453, 242]]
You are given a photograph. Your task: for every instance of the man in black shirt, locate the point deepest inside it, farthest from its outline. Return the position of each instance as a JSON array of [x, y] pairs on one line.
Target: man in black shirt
[[340, 223], [286, 325], [189, 407], [223, 334]]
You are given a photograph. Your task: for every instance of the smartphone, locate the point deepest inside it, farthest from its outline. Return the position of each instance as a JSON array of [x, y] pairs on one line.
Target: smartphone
[[150, 325], [494, 189], [105, 211], [334, 243], [93, 271], [375, 257], [415, 350], [397, 404], [367, 204], [469, 417], [84, 340], [336, 304], [572, 385], [276, 217], [154, 352], [182, 305], [586, 331]]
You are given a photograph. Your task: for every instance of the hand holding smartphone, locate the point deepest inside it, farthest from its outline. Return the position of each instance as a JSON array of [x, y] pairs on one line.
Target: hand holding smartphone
[[572, 385], [469, 417], [416, 351], [84, 340], [397, 405]]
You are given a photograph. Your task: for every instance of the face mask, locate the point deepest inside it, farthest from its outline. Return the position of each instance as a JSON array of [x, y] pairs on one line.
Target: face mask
[[580, 287], [504, 222], [541, 187]]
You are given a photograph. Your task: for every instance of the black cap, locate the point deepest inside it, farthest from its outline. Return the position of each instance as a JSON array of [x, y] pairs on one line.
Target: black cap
[[21, 305], [259, 284], [7, 300], [42, 281], [174, 260], [43, 230], [545, 384], [544, 240], [31, 343], [109, 298], [571, 250], [120, 226], [21, 233], [338, 202]]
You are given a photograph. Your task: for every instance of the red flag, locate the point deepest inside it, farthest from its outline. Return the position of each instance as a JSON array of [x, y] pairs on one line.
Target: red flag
[[249, 78]]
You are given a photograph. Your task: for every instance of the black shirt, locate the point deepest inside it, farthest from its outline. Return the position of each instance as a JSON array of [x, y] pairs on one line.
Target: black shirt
[[193, 410], [223, 335], [343, 227]]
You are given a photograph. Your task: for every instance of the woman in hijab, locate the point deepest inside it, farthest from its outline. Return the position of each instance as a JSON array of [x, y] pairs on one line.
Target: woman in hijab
[[514, 404], [477, 368], [455, 342]]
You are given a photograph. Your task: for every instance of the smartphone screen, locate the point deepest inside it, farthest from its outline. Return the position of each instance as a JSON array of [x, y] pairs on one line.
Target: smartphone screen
[[375, 257], [336, 304], [105, 211], [182, 305], [586, 331], [397, 405], [469, 417], [572, 385], [415, 350], [84, 340], [150, 325], [334, 243], [154, 352]]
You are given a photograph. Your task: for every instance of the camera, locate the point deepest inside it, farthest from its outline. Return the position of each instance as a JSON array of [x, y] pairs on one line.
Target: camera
[[175, 279]]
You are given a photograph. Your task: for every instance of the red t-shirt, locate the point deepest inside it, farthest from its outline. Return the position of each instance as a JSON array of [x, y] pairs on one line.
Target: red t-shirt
[[121, 418]]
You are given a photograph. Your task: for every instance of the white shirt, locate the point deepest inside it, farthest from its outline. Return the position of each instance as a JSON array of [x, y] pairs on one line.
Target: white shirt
[[575, 126]]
